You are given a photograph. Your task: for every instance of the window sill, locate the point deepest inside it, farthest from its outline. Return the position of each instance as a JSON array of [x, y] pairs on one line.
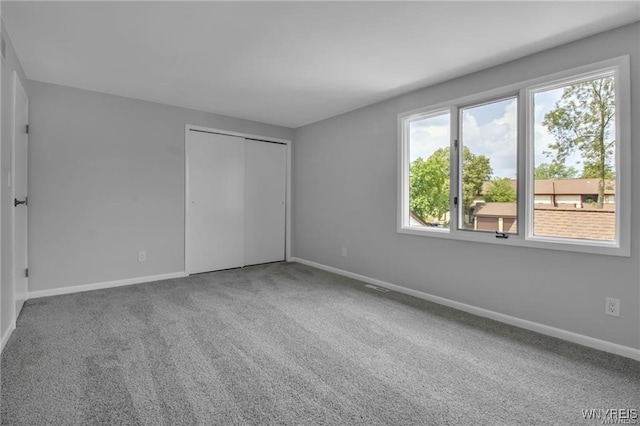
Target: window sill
[[577, 246]]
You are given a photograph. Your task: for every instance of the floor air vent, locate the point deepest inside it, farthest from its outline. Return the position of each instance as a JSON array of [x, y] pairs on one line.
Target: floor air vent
[[375, 287]]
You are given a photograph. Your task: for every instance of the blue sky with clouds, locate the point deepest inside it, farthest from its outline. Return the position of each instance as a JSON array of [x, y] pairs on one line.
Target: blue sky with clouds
[[490, 130]]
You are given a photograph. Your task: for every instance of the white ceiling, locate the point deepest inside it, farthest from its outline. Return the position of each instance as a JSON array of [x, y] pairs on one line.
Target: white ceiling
[[286, 63]]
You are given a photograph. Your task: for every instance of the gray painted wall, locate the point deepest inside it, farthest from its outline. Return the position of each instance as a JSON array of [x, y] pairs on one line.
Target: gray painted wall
[[11, 64], [106, 179], [345, 195]]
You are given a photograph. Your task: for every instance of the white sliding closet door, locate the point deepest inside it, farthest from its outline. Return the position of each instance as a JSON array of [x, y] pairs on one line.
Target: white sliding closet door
[[265, 198], [216, 197]]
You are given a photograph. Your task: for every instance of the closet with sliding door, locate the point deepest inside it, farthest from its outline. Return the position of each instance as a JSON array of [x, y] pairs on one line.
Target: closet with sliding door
[[236, 201]]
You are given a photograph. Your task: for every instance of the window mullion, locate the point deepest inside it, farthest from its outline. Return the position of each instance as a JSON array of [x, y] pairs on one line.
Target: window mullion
[[454, 215], [525, 169]]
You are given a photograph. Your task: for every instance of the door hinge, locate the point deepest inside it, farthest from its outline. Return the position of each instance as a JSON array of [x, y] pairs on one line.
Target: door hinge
[[27, 128], [26, 273]]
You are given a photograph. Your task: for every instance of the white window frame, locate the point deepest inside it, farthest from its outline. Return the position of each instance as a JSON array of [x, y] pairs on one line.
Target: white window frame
[[620, 69], [459, 145], [404, 212]]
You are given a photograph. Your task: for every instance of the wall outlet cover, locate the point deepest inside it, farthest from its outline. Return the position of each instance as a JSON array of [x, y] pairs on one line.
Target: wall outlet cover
[[612, 306]]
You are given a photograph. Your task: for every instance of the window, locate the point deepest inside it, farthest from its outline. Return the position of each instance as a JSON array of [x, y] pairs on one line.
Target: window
[[429, 172], [542, 163], [574, 147], [489, 164]]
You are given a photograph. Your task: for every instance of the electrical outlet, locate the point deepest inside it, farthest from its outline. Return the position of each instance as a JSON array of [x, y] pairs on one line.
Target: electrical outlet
[[142, 256], [344, 252], [612, 307]]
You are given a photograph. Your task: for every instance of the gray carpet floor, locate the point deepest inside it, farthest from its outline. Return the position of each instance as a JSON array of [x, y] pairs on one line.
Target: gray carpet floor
[[289, 344]]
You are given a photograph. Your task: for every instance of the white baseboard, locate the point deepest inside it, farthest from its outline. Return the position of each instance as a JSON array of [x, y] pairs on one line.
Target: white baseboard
[[7, 334], [103, 285], [570, 336]]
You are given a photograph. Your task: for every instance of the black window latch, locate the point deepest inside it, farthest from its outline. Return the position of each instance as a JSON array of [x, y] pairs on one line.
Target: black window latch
[[501, 235]]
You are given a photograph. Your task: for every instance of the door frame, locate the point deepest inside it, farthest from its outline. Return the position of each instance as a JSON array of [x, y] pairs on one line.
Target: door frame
[[17, 85], [288, 192]]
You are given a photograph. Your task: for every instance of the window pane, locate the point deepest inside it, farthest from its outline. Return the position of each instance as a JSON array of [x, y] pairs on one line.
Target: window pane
[[429, 157], [574, 161], [489, 142]]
